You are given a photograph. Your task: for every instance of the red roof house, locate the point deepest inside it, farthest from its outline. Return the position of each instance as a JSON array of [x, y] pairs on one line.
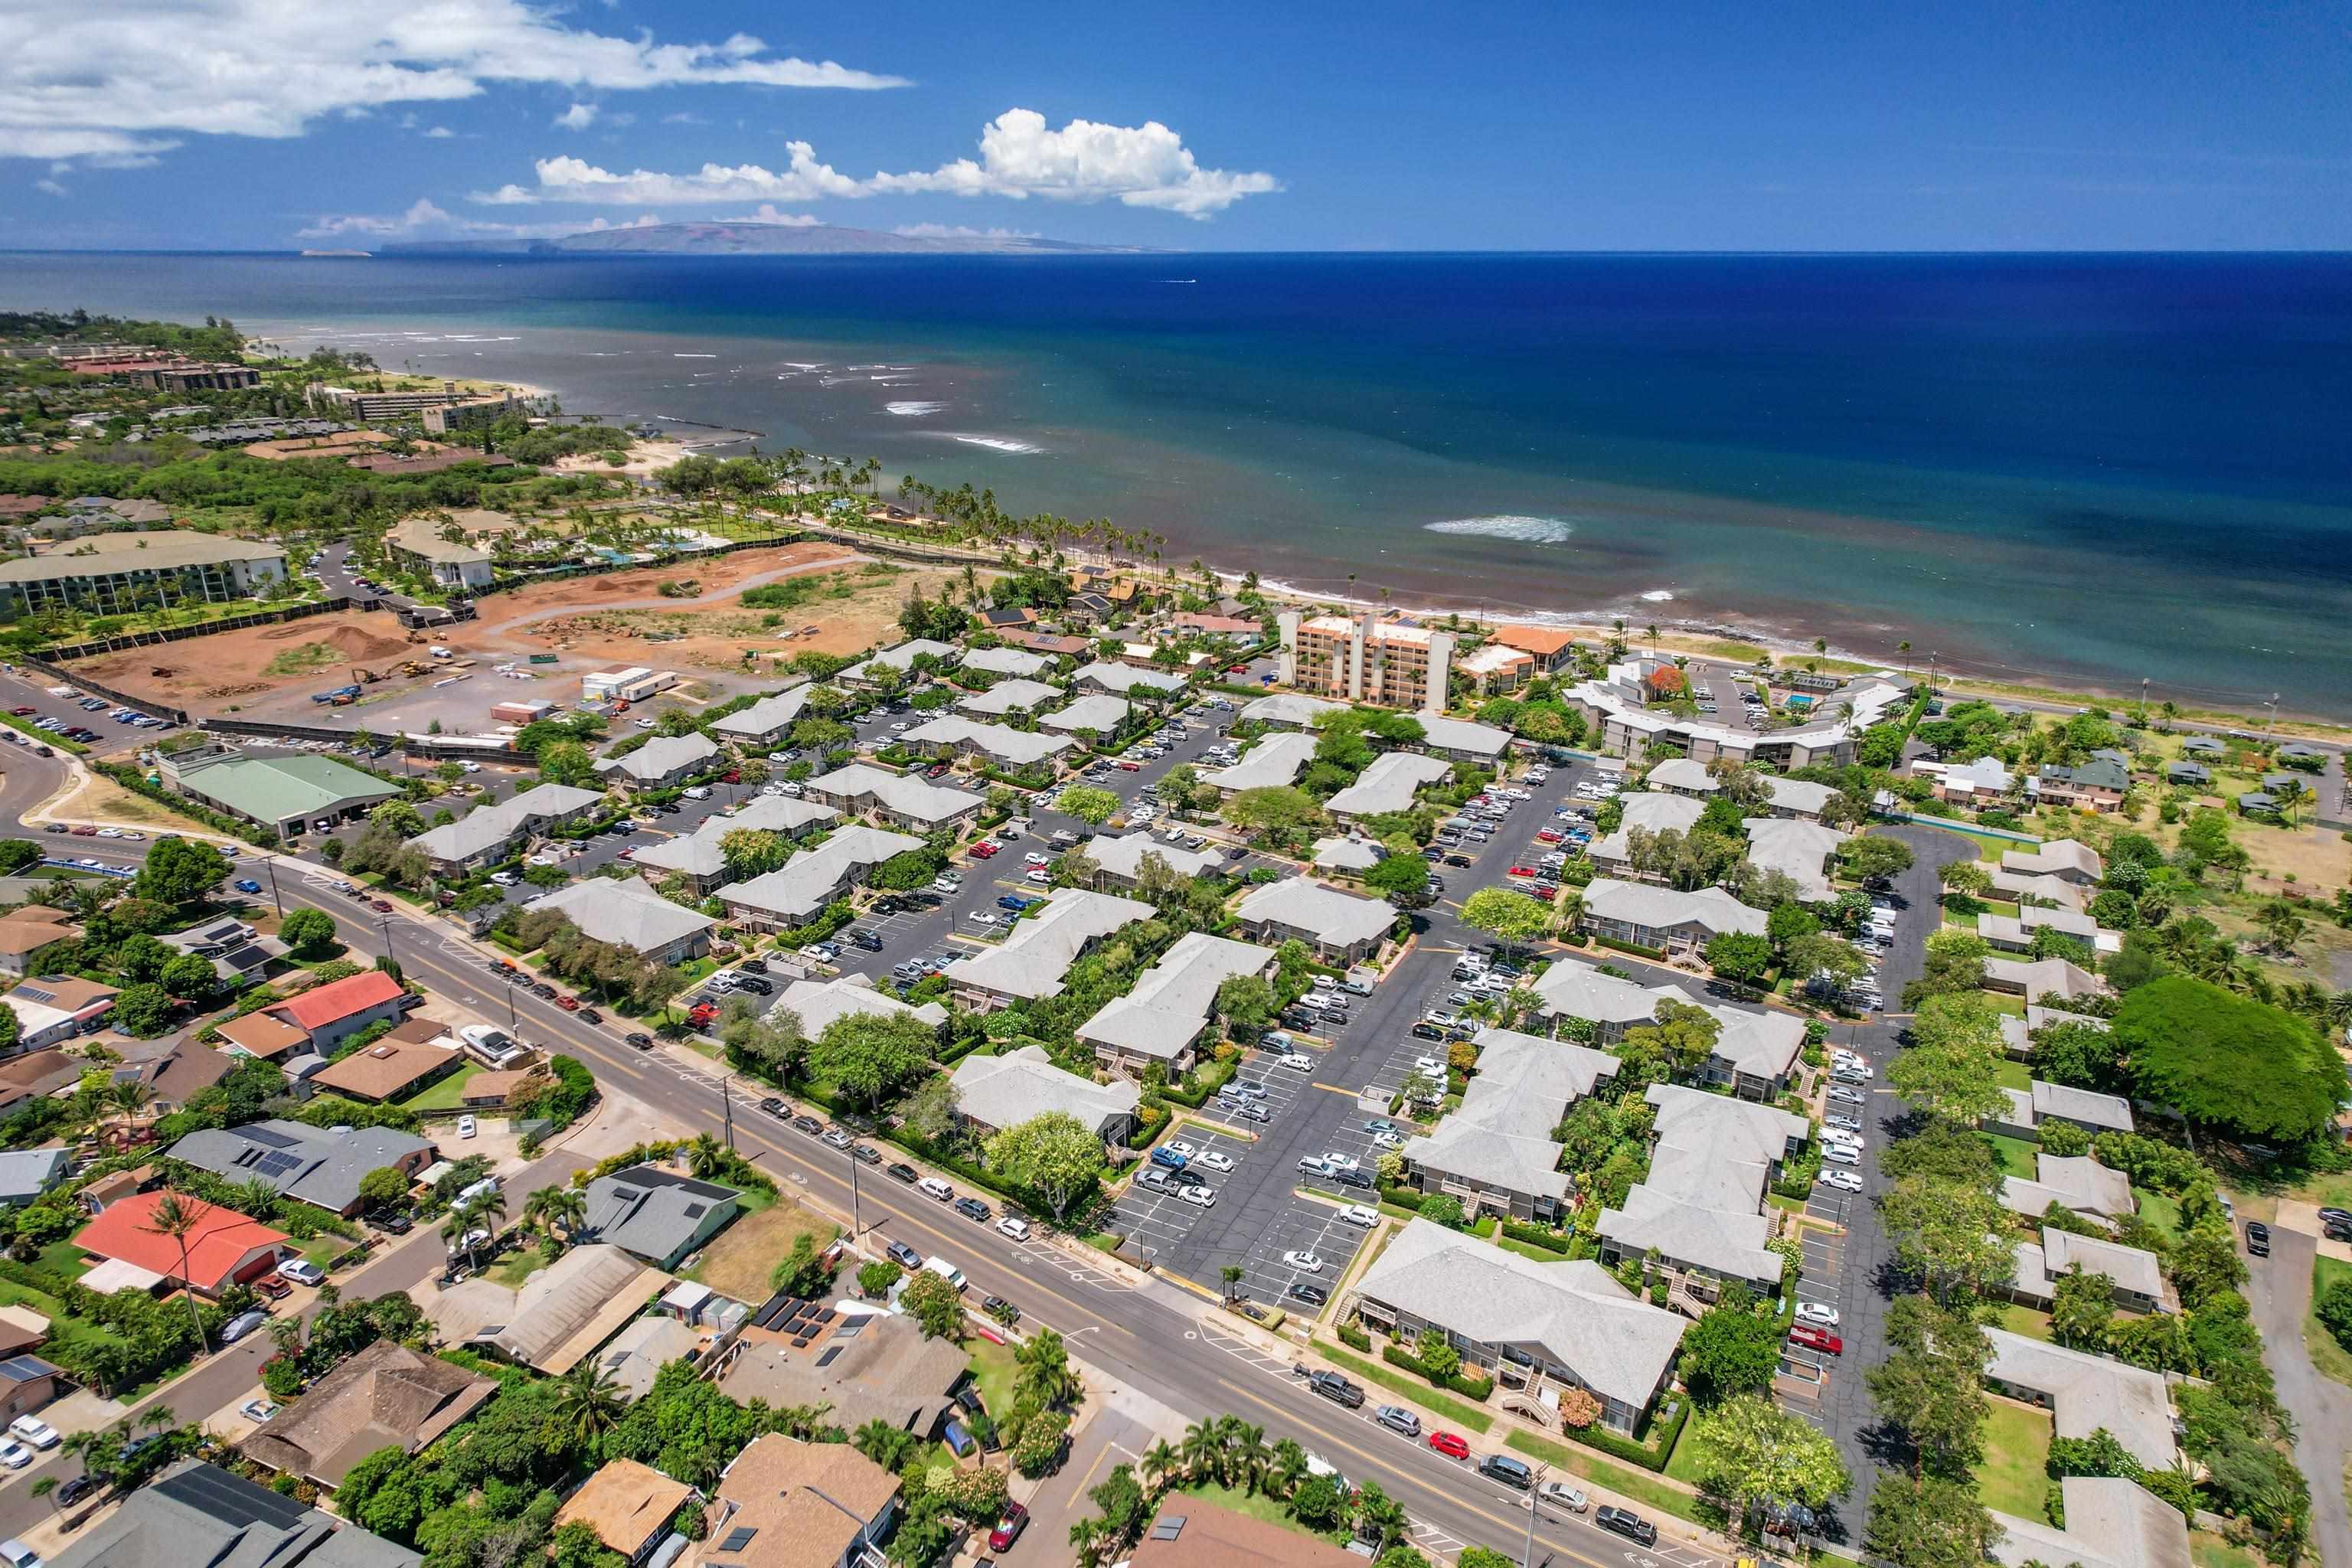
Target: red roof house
[[225, 1246], [344, 1007]]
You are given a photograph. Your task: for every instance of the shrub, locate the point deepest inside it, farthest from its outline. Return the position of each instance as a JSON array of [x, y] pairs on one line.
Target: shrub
[[2334, 1309]]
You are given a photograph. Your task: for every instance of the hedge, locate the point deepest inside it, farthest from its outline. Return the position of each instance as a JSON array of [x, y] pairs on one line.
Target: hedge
[[1476, 1388], [1636, 948], [136, 783], [1651, 1456], [1536, 1235], [1213, 1078]]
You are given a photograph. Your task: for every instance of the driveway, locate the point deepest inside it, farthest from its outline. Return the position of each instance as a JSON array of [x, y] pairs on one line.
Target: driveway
[[1918, 895], [2280, 1292]]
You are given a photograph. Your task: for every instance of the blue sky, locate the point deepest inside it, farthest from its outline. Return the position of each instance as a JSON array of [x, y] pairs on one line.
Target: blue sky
[[274, 124]]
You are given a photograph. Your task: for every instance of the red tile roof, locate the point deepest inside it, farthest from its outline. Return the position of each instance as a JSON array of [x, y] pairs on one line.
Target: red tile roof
[[317, 1009], [1544, 640], [222, 1236]]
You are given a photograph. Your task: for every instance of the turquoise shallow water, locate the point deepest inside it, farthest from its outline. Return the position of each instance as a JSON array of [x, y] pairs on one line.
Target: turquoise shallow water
[[2098, 467]]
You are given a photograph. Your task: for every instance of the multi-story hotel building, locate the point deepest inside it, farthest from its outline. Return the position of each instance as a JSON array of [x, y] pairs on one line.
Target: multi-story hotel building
[[1366, 659]]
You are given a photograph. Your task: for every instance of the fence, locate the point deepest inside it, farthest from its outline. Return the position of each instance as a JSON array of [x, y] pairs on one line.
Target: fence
[[1955, 825], [182, 633], [426, 746], [598, 569], [145, 705]]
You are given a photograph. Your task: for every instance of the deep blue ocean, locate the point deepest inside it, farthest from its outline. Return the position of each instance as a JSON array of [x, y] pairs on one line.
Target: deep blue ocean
[[2095, 467]]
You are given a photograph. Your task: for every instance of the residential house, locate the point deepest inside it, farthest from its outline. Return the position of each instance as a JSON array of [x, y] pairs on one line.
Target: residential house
[[1345, 854], [559, 1315], [290, 796], [2097, 784], [387, 1396], [1495, 1151], [1288, 711], [998, 745], [895, 664], [1495, 670], [2084, 1393], [27, 1174], [489, 834], [867, 1364], [657, 1217], [237, 953], [818, 1003], [2195, 776], [54, 1008], [1169, 1008], [489, 1090], [1053, 645], [2077, 1182], [2015, 933], [1341, 929], [1802, 851], [1272, 762], [1119, 861], [264, 1036], [1538, 1328], [629, 1505], [896, 800], [315, 1164], [1005, 1091], [418, 546], [1033, 960], [1365, 658], [2202, 746], [2064, 858], [1663, 917], [1645, 811], [1683, 776], [1128, 680], [223, 1247], [1572, 988], [1461, 741], [661, 763], [1702, 1207], [196, 1512], [388, 1070], [2092, 1112], [1978, 785], [2042, 977], [1191, 1532], [783, 1503], [1800, 798], [1755, 1053], [1008, 661], [634, 1357], [2035, 888], [698, 857], [25, 933], [27, 1383], [799, 890], [2110, 1523], [1012, 695], [327, 1014], [767, 722], [2138, 1275], [1389, 784], [1553, 649], [1091, 718], [22, 1330], [627, 914], [1228, 629], [1084, 610]]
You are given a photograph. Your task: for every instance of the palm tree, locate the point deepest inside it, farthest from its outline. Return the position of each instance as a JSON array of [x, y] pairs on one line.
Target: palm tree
[[1087, 1537], [1382, 1514], [1231, 1274], [886, 1444], [178, 1219], [48, 1486], [256, 1197], [1046, 1372], [131, 1097], [1198, 1448], [286, 1333], [705, 1155], [588, 1402], [1161, 1463], [1285, 1468]]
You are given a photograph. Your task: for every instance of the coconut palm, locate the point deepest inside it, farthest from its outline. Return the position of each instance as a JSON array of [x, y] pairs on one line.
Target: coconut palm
[[588, 1402], [1088, 1538], [552, 1207], [256, 1197], [1286, 1467], [178, 1219], [1199, 1448], [286, 1333], [706, 1155], [1159, 1465], [1045, 1374]]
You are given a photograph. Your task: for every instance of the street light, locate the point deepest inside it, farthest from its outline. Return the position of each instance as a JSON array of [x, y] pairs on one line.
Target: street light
[[1528, 1557]]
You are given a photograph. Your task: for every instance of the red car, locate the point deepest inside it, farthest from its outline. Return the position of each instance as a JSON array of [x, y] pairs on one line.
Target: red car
[[701, 1014], [1127, 767], [983, 850], [569, 1004], [381, 906], [1008, 1528], [85, 831], [24, 712], [1523, 871], [1548, 836], [1815, 1339], [1450, 1444], [1237, 670], [733, 775]]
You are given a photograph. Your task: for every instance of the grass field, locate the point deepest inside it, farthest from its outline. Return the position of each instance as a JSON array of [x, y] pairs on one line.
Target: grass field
[[1644, 1489], [2329, 1357], [1398, 1381], [2015, 1074], [738, 1262], [2159, 1211], [2209, 1551], [995, 1371], [446, 1095], [2015, 1154], [2012, 1477], [2033, 1323], [304, 657]]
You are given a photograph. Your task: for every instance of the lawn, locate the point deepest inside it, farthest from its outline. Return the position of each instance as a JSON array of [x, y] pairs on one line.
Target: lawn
[[2329, 1357], [2013, 1476], [2159, 1211], [446, 1095], [2004, 1002], [1256, 1506], [519, 1266], [2033, 1323], [2015, 1154], [995, 1371], [2015, 1074], [2208, 1551], [1398, 1381], [739, 1262], [65, 1259], [1644, 1489]]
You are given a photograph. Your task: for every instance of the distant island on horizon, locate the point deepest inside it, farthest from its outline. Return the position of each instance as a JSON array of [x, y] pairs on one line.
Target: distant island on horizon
[[755, 239]]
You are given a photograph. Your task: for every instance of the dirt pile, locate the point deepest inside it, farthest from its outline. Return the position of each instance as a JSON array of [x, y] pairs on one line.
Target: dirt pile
[[361, 644]]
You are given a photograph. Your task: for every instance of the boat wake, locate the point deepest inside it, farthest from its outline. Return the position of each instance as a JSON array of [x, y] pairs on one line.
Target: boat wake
[[912, 410], [1508, 525]]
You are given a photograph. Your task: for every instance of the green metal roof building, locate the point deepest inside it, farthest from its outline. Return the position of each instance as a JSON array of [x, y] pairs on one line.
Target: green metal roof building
[[285, 795]]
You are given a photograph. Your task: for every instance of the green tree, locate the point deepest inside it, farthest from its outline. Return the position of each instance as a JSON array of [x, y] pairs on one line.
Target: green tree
[[190, 978], [1046, 1377], [397, 817], [1930, 1386], [1053, 1155], [870, 1056], [1733, 1350], [1247, 1003], [1089, 804], [308, 933], [1872, 858], [1966, 879], [1402, 879], [2238, 1067], [1751, 1451], [1513, 917], [179, 871], [588, 1402], [1952, 1069], [2082, 1310], [142, 1011], [803, 1271], [1739, 956], [1929, 1522], [1276, 808], [567, 762], [934, 1304]]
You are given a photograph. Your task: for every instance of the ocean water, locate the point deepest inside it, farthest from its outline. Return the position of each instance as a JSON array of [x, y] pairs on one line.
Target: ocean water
[[2100, 469]]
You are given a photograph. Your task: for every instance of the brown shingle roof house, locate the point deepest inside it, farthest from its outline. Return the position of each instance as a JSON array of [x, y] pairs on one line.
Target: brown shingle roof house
[[788, 1504], [628, 1505], [387, 1396], [1191, 1533], [388, 1069]]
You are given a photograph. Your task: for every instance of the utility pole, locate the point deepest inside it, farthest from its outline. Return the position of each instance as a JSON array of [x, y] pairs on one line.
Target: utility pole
[[1528, 1557], [727, 1109], [272, 865]]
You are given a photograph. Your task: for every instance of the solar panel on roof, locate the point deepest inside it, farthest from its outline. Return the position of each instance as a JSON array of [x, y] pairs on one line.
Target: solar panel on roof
[[695, 1211], [800, 1342], [1169, 1528], [217, 1494], [34, 994], [275, 1165], [830, 1351], [25, 1368], [738, 1538], [276, 1140]]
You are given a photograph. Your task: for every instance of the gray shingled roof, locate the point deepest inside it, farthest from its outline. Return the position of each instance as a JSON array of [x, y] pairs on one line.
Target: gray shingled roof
[[1007, 695], [1292, 708], [1123, 856], [1018, 747], [300, 1162], [902, 794], [625, 912], [1573, 989], [698, 852], [486, 825], [1389, 783], [660, 757], [1643, 904], [2088, 1391], [804, 884], [767, 715], [1098, 713], [1166, 1009], [817, 1002], [1500, 1135], [1276, 760], [1337, 919], [1033, 960], [1009, 1089]]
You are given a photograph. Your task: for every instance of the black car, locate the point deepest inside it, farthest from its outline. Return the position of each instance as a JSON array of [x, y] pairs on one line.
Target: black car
[[861, 937], [1348, 1178], [1425, 1030], [2336, 1216], [866, 1155], [755, 966], [543, 989], [395, 1224], [589, 1015], [754, 984], [974, 1210], [1336, 1389], [905, 1173], [643, 1042], [886, 906], [808, 1125], [74, 1490], [1631, 1526], [2258, 1239], [1313, 1295]]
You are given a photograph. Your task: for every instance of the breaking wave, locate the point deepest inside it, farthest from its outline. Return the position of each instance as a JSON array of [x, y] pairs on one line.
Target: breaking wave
[[912, 410]]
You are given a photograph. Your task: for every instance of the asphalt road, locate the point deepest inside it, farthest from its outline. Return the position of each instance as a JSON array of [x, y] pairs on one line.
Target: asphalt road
[[2280, 1292], [1157, 1338]]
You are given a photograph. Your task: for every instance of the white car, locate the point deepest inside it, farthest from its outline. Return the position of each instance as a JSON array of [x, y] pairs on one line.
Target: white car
[[1014, 1225], [1819, 1315], [302, 1271], [1429, 1065], [465, 1128], [109, 833], [1038, 874], [1297, 1061], [1339, 1161], [34, 1430], [1361, 1215], [1180, 1147], [1559, 1494], [15, 1455], [1388, 1140], [1034, 858], [1199, 1197], [1839, 1154], [645, 723], [1305, 1262], [1212, 1160], [983, 917], [1843, 1180]]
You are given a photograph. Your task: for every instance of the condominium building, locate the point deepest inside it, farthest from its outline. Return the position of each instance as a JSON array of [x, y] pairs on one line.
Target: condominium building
[[1366, 659], [117, 574]]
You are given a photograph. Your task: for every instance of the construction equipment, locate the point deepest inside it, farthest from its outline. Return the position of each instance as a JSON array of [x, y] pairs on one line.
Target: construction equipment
[[369, 676]]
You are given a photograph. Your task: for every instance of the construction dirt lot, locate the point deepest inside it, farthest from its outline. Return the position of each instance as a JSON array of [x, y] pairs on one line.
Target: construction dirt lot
[[604, 622]]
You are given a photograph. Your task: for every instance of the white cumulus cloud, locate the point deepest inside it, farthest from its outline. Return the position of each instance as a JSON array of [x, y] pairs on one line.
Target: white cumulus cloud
[[579, 117], [423, 215], [504, 196], [960, 231], [122, 79], [50, 187], [769, 213], [1146, 166], [439, 133]]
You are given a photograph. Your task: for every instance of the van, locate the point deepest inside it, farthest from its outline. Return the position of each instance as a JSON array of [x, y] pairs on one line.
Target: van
[[946, 1272], [935, 1189], [1509, 1471], [1359, 982], [697, 793]]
